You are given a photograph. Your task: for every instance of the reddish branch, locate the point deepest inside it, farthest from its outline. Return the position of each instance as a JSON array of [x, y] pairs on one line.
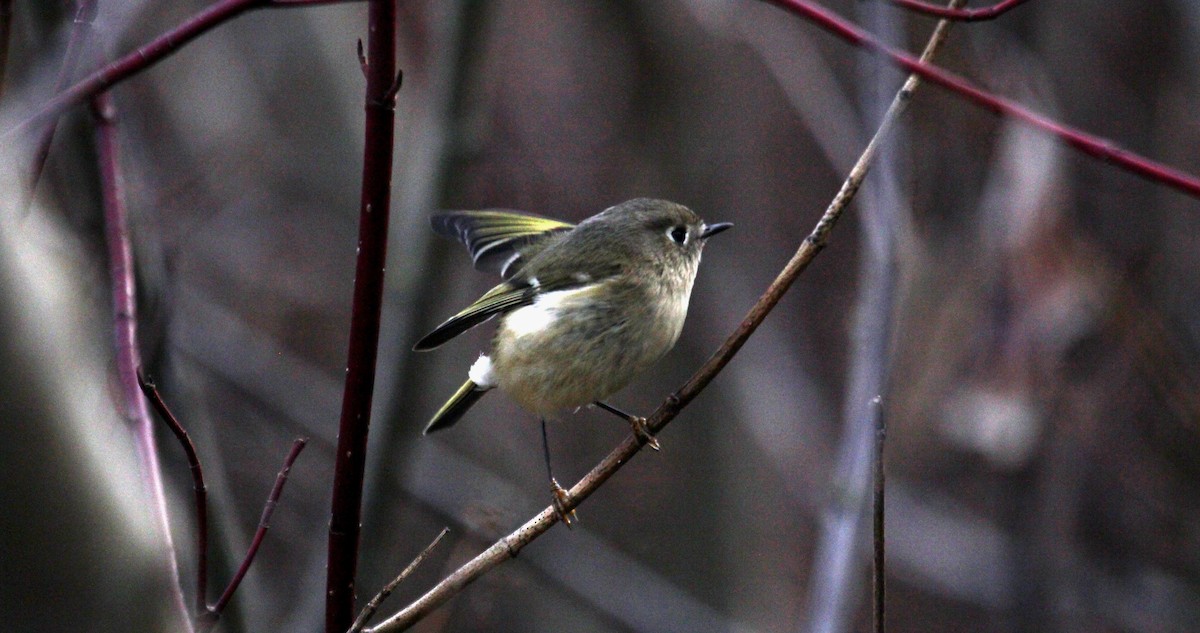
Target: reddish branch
[[264, 524], [199, 490], [960, 15], [5, 31], [85, 15], [350, 461], [207, 616], [120, 262], [1089, 144], [150, 54]]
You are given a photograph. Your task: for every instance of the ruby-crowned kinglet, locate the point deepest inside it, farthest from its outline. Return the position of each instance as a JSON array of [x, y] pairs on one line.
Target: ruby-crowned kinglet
[[582, 308]]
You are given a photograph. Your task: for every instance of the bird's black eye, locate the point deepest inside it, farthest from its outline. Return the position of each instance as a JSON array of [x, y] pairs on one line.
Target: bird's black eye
[[678, 234]]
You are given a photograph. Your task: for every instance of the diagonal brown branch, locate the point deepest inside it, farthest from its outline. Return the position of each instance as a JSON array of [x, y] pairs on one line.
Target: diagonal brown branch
[[508, 546], [373, 605]]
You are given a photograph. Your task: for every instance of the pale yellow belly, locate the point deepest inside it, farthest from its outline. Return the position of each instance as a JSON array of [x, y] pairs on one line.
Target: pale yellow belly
[[573, 350]]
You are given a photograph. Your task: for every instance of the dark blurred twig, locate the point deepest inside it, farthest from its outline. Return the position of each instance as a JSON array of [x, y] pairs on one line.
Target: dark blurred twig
[[5, 32], [959, 15], [153, 52], [373, 605], [85, 15], [350, 462], [878, 570], [199, 490], [120, 257], [1089, 144]]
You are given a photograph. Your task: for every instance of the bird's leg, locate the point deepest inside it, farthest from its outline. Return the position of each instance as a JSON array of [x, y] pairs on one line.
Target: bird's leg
[[636, 422], [561, 496]]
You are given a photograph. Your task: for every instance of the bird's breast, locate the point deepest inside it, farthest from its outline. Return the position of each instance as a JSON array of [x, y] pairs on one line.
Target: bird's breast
[[571, 347]]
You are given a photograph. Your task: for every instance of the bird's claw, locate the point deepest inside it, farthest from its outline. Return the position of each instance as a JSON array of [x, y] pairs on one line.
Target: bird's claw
[[561, 498], [643, 432]]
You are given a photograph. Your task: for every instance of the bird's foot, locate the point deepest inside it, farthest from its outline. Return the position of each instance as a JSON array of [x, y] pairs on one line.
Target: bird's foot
[[642, 432], [561, 499]]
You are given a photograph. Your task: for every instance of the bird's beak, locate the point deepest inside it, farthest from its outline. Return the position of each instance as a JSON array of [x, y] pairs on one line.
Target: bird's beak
[[712, 229]]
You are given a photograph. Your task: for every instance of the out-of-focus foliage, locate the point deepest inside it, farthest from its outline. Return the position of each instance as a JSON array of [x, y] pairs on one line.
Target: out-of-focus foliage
[[1043, 408]]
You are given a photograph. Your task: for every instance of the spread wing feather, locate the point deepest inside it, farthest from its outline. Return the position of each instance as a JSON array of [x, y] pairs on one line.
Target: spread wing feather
[[499, 241]]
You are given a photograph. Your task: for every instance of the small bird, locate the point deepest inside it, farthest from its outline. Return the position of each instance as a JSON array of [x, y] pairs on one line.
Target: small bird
[[583, 308]]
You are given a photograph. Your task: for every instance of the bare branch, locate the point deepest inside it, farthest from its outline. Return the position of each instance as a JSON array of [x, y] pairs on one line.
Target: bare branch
[[264, 524], [120, 256], [85, 15], [959, 15], [1089, 144], [879, 589], [199, 490], [152, 53], [5, 31], [373, 605], [374, 209], [508, 546]]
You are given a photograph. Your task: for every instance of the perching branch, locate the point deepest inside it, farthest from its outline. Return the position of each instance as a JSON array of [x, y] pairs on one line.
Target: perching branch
[[508, 546], [1089, 144], [199, 490], [120, 261], [152, 53], [350, 462], [959, 15], [373, 605]]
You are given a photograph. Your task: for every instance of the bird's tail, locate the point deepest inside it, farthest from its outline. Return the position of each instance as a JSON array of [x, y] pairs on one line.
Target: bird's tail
[[456, 406]]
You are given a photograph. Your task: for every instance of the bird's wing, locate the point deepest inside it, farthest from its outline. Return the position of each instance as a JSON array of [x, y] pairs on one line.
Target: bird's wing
[[499, 241], [522, 290]]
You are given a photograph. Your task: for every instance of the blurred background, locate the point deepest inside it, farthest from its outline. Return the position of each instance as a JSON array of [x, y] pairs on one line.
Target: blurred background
[[1028, 314]]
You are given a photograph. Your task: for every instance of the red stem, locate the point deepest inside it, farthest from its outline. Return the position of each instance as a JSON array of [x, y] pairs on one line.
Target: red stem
[[85, 15], [200, 491], [146, 56], [120, 253], [5, 30], [264, 524], [961, 15], [350, 462], [1089, 144]]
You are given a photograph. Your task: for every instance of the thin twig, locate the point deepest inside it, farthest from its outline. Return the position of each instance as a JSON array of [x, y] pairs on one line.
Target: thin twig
[[81, 29], [1089, 144], [363, 348], [5, 32], [879, 590], [120, 255], [199, 490], [153, 52], [508, 546], [264, 524], [373, 605], [959, 15]]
